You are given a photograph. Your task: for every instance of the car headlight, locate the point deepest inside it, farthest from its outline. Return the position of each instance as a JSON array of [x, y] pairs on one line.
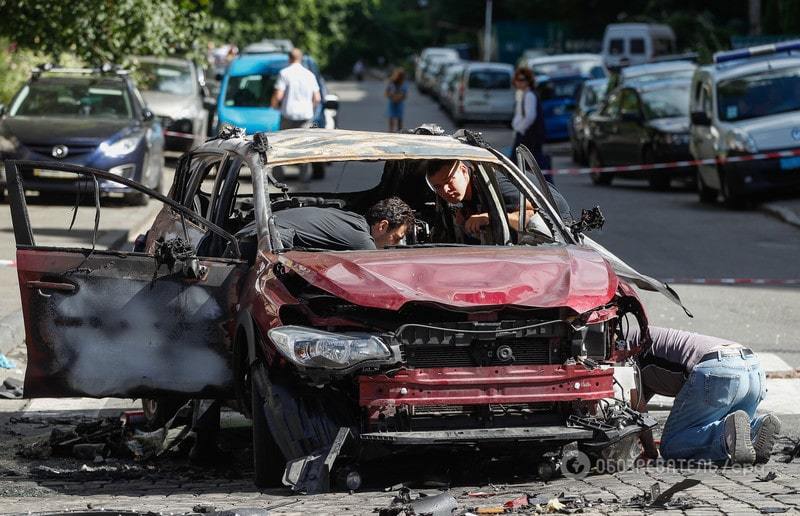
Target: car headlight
[[308, 347], [739, 141], [120, 147], [676, 138]]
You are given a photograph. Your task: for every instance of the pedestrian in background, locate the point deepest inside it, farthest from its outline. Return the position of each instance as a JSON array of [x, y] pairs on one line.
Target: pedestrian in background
[[396, 92], [528, 121], [297, 95], [358, 70]]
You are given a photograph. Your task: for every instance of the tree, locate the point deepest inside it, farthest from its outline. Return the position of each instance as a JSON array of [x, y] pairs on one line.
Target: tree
[[104, 30]]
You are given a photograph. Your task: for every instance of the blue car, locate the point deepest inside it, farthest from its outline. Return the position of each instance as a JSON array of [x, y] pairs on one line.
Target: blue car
[[246, 90], [557, 94]]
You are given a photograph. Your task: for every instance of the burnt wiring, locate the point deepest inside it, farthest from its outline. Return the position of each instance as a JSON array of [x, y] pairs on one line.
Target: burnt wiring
[[80, 267]]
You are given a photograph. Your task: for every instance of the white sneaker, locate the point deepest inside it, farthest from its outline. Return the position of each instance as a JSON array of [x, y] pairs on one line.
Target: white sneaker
[[737, 438]]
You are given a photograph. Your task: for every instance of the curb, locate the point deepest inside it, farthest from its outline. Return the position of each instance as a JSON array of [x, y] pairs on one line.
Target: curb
[[12, 331], [783, 213]]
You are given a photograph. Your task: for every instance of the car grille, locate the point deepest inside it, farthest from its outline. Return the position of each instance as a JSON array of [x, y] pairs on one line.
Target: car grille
[[434, 347], [73, 149]]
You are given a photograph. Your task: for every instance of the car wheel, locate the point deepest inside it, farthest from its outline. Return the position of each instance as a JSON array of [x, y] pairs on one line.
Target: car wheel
[[318, 171], [731, 200], [707, 194], [598, 178], [268, 461], [157, 412], [658, 179]]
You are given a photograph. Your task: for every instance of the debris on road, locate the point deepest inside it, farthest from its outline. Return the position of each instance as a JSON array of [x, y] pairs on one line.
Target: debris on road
[[6, 363], [11, 388], [655, 498], [86, 472], [442, 504], [768, 477]]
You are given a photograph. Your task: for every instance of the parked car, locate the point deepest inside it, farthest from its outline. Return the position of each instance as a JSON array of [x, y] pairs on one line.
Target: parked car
[[430, 72], [440, 79], [484, 93], [431, 53], [558, 94], [93, 117], [433, 344], [636, 43], [449, 85], [744, 105], [590, 96], [679, 69], [175, 90], [642, 123], [588, 65], [269, 45], [529, 54]]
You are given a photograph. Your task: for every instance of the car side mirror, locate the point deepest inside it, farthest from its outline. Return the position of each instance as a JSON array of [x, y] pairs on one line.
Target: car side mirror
[[147, 115], [331, 102], [700, 118]]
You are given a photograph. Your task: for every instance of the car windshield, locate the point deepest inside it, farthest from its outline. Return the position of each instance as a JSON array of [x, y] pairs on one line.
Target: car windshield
[[590, 68], [490, 79], [592, 93], [166, 77], [250, 90], [83, 97], [759, 95], [666, 102], [559, 88]]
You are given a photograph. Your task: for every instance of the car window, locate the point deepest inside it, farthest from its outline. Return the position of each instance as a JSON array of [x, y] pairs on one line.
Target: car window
[[559, 88], [637, 45], [759, 95], [74, 98], [666, 102], [489, 80], [250, 90], [171, 78], [616, 46], [662, 47]]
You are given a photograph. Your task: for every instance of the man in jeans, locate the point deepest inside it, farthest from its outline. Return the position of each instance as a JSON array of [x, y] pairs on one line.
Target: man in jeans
[[297, 96], [717, 386]]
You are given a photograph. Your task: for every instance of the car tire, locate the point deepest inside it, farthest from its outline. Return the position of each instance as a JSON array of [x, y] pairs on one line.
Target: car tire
[[707, 194], [157, 412], [598, 178], [318, 171], [729, 199], [659, 180], [268, 461]]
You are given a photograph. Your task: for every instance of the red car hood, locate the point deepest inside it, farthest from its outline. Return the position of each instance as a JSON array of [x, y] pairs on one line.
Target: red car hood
[[544, 277]]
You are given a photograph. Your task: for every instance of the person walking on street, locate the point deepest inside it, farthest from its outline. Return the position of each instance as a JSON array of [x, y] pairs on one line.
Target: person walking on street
[[297, 96], [396, 92], [528, 121], [717, 385]]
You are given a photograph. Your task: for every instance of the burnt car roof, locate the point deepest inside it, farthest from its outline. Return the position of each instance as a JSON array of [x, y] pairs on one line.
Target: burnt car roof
[[319, 145]]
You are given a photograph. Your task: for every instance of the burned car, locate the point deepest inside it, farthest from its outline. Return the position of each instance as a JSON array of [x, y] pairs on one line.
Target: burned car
[[509, 344]]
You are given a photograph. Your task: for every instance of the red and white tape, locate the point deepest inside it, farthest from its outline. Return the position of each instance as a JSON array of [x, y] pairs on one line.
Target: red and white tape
[[673, 164], [8, 263], [733, 281]]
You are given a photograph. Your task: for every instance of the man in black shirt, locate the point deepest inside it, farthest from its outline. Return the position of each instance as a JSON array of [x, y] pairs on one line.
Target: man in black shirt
[[386, 223]]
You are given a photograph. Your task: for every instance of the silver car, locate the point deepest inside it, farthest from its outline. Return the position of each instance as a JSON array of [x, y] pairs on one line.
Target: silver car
[[485, 92], [175, 90], [744, 106]]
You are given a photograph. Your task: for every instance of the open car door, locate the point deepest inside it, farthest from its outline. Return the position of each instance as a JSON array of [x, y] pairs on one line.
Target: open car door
[[122, 324]]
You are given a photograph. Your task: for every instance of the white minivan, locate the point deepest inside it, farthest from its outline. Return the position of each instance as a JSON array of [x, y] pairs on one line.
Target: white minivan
[[636, 43], [484, 92]]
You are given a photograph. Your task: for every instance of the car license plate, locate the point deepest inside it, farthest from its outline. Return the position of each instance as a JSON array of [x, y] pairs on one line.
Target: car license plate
[[790, 163], [57, 174]]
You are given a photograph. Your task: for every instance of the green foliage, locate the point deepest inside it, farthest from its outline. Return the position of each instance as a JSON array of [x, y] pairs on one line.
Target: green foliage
[[104, 30], [16, 65]]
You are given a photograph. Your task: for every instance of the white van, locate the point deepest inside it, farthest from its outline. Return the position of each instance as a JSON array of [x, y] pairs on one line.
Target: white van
[[484, 92], [636, 43]]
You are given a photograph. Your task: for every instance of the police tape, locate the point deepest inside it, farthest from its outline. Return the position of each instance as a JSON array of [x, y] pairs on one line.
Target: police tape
[[8, 263], [645, 167], [731, 281]]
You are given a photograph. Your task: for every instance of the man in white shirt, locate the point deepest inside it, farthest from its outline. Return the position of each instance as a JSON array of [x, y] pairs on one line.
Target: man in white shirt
[[296, 93]]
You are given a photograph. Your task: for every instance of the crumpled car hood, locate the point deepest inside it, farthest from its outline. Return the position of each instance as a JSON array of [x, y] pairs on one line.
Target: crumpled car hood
[[542, 277]]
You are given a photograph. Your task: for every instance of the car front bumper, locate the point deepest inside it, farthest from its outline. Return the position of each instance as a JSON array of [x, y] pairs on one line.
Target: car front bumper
[[760, 176]]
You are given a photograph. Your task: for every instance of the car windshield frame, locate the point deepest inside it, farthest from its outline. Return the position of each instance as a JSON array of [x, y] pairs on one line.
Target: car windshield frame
[[188, 85], [760, 103], [54, 104], [254, 100], [586, 67], [648, 96]]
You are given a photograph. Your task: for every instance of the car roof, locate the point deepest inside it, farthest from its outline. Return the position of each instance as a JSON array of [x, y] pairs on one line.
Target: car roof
[[294, 146], [258, 63], [668, 66], [560, 58], [660, 84], [474, 65], [752, 65], [115, 80], [163, 60]]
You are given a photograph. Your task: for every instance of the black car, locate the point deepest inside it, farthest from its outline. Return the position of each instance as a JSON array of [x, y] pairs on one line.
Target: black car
[[92, 117], [590, 97], [644, 122]]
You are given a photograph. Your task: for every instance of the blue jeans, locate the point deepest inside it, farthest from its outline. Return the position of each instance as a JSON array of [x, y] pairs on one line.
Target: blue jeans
[[715, 388]]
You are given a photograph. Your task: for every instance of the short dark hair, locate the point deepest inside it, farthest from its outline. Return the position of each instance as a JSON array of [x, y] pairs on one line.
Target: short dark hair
[[393, 210], [432, 166]]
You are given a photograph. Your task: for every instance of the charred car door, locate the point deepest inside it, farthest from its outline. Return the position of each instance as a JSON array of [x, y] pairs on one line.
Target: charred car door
[[123, 324]]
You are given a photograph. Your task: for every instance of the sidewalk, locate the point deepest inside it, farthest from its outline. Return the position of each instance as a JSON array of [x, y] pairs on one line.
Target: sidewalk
[[787, 210]]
